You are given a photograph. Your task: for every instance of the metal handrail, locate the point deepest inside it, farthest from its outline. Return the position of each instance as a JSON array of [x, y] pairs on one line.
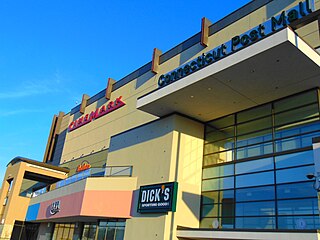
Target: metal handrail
[[109, 171]]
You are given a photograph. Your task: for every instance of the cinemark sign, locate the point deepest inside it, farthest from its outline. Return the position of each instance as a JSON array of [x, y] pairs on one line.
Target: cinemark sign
[[99, 112]]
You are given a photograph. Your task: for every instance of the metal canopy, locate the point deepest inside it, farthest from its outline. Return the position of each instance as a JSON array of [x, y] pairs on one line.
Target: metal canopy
[[277, 66]]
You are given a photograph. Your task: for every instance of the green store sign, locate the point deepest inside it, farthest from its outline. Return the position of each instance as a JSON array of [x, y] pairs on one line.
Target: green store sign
[[158, 198]]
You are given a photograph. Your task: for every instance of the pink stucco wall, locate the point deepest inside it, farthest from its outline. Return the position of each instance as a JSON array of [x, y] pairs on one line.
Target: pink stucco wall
[[115, 204]]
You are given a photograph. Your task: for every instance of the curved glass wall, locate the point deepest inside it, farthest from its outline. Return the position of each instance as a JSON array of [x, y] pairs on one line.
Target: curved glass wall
[[255, 165]]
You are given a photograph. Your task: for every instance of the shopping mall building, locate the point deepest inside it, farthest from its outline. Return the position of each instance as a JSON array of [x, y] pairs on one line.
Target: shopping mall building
[[217, 138]]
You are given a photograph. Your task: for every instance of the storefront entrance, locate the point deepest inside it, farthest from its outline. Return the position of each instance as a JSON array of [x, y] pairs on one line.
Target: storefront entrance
[[63, 231], [104, 230]]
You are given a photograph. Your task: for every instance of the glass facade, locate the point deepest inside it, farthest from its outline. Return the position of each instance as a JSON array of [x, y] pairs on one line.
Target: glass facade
[[104, 230], [255, 165], [63, 231], [111, 230]]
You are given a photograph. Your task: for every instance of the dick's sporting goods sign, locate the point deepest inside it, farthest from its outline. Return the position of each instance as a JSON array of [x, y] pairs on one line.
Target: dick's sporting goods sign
[[238, 42], [158, 198]]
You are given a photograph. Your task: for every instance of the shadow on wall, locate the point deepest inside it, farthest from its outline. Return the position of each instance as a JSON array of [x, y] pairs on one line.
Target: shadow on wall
[[58, 148], [140, 134], [192, 53], [273, 8], [193, 202], [147, 132], [149, 76], [134, 207]]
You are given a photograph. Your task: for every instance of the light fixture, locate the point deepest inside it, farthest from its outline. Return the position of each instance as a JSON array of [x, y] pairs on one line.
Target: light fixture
[[316, 177]]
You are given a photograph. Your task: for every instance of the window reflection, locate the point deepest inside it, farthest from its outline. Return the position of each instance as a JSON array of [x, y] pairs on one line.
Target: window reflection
[[217, 184], [217, 196], [293, 174], [294, 159], [254, 166], [218, 171], [296, 190], [256, 222], [269, 133], [298, 207], [255, 179], [298, 222], [255, 150], [255, 209], [255, 194]]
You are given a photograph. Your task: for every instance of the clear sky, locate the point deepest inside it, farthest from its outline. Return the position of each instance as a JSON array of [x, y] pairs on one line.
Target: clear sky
[[53, 51]]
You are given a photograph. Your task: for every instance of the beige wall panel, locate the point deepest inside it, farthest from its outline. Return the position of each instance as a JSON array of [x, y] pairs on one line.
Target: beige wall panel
[[59, 192], [189, 153], [310, 34], [107, 184], [146, 148], [112, 183], [96, 135], [151, 227], [166, 150], [64, 123]]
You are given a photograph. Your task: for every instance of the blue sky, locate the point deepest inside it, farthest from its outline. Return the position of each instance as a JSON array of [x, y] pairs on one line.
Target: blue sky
[[53, 51]]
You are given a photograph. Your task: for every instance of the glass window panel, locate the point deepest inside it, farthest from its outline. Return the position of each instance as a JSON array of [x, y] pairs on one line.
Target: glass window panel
[[210, 210], [219, 134], [222, 122], [101, 232], [110, 233], [121, 224], [71, 232], [255, 150], [102, 224], [296, 190], [296, 142], [298, 222], [59, 233], [255, 194], [255, 179], [297, 115], [218, 171], [256, 222], [217, 196], [217, 184], [85, 232], [255, 125], [216, 158], [306, 140], [54, 237], [111, 224], [305, 126], [225, 209], [255, 208], [253, 113], [224, 223], [219, 146], [92, 232], [295, 101], [254, 166], [294, 174], [253, 138], [298, 207], [294, 159], [119, 233], [288, 144]]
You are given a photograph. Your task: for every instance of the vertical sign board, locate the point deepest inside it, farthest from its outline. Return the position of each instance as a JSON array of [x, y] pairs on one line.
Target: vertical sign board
[[158, 198]]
